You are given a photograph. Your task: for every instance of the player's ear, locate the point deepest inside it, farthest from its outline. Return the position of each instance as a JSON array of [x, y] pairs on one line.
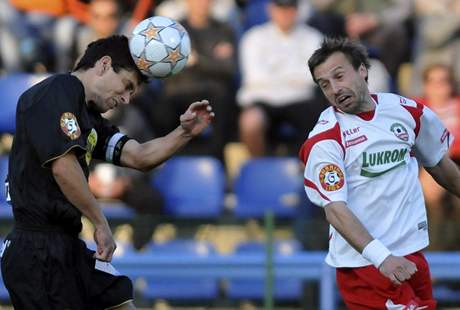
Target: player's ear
[[103, 64], [363, 71]]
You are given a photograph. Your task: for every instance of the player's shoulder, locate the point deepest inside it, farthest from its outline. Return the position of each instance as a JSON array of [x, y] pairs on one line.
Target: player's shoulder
[[53, 91], [56, 84], [327, 121], [64, 80], [65, 86], [327, 128], [394, 99]]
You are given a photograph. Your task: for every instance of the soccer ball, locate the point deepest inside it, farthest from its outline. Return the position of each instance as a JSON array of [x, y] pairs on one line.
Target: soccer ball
[[159, 46]]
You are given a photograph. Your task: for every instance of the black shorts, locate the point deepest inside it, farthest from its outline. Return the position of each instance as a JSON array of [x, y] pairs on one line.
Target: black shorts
[[53, 270]]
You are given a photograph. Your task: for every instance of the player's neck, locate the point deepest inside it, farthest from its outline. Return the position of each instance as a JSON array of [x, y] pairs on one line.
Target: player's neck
[[84, 78], [367, 105]]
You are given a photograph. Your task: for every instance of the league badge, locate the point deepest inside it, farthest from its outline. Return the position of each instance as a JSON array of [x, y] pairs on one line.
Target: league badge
[[69, 125], [331, 178]]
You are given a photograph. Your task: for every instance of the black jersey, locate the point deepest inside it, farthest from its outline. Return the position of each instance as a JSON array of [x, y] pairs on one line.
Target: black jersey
[[52, 119]]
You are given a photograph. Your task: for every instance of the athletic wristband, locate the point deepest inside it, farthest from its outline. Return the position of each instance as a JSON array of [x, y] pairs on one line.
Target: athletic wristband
[[376, 252]]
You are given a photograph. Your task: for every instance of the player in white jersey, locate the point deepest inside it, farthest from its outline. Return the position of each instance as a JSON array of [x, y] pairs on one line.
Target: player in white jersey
[[361, 167]]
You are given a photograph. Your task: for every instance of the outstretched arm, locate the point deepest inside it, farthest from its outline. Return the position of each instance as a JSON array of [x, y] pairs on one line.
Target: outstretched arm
[[446, 174], [397, 269], [150, 154]]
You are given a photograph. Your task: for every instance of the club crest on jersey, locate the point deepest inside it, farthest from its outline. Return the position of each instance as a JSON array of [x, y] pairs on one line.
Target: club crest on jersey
[[69, 125], [399, 131], [331, 178]]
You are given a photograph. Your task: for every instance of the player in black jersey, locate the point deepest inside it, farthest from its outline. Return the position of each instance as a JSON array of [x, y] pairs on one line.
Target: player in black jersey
[[59, 130]]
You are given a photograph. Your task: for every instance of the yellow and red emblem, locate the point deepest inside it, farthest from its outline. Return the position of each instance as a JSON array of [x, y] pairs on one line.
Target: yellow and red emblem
[[69, 125], [331, 178]]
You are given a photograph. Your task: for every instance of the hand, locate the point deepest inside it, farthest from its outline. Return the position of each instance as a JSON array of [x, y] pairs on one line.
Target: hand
[[398, 269], [105, 243], [197, 117]]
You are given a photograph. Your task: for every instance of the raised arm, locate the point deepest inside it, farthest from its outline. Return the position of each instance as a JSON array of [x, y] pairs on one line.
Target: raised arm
[[72, 182], [397, 269], [150, 154]]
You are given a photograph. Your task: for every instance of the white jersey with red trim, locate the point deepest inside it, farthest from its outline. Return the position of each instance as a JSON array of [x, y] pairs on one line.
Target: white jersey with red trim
[[369, 162]]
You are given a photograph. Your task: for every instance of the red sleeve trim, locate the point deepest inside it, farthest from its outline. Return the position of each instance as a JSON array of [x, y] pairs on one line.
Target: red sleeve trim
[[375, 97], [312, 185], [330, 134], [416, 113]]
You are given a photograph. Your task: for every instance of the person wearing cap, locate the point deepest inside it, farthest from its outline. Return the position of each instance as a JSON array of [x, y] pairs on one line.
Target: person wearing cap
[[59, 129], [275, 90]]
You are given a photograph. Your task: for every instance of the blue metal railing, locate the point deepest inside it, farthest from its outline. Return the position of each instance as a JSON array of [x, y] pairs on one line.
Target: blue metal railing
[[304, 265]]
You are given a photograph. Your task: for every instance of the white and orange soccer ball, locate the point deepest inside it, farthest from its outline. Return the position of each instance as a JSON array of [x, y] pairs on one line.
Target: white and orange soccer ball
[[160, 46]]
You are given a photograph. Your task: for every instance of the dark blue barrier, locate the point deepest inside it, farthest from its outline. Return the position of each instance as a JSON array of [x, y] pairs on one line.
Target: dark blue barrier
[[310, 266]]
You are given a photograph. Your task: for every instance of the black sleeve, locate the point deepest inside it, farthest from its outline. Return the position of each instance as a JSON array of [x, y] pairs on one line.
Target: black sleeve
[[52, 122], [110, 142]]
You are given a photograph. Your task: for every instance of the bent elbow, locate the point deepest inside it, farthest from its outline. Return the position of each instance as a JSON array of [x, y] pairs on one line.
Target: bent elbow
[[59, 168]]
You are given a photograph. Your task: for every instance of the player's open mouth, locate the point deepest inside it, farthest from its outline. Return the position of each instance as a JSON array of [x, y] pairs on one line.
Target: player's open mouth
[[343, 100]]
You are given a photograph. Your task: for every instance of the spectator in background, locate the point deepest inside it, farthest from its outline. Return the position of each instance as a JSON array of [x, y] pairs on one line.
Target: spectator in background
[[437, 38], [254, 12], [440, 95], [104, 20], [379, 24], [101, 18], [379, 80], [26, 29], [209, 73], [222, 10], [275, 88], [225, 11], [91, 20]]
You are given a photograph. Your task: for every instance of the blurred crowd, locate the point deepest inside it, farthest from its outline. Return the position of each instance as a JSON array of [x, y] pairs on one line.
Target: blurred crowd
[[249, 58]]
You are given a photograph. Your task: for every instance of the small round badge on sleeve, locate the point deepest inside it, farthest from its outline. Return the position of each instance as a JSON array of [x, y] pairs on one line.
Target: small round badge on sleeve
[[69, 125], [331, 177]]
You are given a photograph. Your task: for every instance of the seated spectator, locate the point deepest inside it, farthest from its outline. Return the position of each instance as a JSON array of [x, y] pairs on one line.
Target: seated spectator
[[91, 20], [437, 38], [377, 23], [26, 29], [379, 78], [102, 18], [225, 11], [209, 73], [254, 12], [276, 87], [441, 96]]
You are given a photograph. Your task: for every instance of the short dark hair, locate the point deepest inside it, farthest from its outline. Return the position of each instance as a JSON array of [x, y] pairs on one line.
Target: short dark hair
[[355, 52], [117, 47]]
